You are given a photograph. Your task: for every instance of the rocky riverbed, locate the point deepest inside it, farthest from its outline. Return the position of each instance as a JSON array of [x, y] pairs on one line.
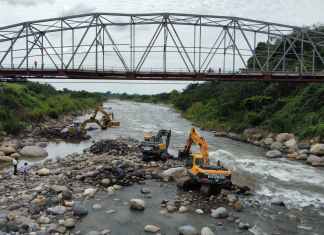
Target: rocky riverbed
[[108, 188]]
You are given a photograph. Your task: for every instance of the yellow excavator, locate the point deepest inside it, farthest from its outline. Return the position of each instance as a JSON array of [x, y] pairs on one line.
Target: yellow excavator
[[210, 178], [106, 121]]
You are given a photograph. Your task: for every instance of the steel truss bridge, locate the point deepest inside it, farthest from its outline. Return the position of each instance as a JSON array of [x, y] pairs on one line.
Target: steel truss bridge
[[161, 46]]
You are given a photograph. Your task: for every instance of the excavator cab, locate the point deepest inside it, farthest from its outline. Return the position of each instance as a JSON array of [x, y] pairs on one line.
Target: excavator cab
[[155, 147], [209, 177]]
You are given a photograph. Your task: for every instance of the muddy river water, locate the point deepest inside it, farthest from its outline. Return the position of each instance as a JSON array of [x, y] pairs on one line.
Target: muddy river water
[[299, 186]]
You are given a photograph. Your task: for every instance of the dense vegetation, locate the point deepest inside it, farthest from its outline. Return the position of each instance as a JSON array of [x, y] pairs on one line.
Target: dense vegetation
[[26, 103], [278, 107]]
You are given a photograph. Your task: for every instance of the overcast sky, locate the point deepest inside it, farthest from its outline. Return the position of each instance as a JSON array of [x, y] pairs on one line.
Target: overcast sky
[[293, 12]]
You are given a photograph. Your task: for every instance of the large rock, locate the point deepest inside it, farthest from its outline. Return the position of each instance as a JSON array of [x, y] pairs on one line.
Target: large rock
[[33, 151], [174, 173], [219, 213], [274, 154], [43, 172], [57, 210], [79, 210], [283, 137], [206, 231], [187, 230], [7, 150], [276, 146], [137, 204], [150, 228], [89, 192], [291, 145], [315, 160], [5, 159], [317, 149]]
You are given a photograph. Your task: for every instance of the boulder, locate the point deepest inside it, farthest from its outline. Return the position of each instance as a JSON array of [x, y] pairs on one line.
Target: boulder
[[150, 228], [274, 154], [268, 141], [315, 160], [58, 188], [183, 209], [89, 192], [206, 231], [137, 204], [7, 150], [187, 230], [291, 145], [317, 149], [79, 210], [283, 137], [145, 190], [105, 182], [43, 220], [33, 151], [57, 210], [199, 211], [5, 159], [43, 172], [219, 213], [276, 146], [174, 173], [69, 223], [231, 198]]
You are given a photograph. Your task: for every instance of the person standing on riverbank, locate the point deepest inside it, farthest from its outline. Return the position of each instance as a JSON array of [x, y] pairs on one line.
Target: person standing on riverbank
[[24, 171], [15, 166]]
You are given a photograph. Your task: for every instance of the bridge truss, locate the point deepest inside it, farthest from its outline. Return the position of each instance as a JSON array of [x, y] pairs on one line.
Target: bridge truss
[[161, 46]]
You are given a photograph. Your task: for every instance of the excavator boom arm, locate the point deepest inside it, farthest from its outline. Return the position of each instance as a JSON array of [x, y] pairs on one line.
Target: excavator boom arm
[[195, 137]]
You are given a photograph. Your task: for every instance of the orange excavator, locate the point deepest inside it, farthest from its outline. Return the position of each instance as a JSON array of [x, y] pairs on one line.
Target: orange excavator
[[209, 177]]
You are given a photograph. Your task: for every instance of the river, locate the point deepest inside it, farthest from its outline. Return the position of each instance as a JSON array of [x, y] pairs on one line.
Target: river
[[297, 184]]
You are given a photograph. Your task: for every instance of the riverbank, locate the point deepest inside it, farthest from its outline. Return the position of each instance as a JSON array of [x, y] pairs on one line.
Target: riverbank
[[25, 106], [77, 193]]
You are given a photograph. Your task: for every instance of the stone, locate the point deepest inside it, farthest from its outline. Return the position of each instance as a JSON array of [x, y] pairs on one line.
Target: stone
[[238, 205], [79, 210], [283, 137], [304, 145], [174, 173], [268, 141], [276, 146], [105, 182], [57, 210], [96, 207], [206, 231], [58, 188], [183, 209], [150, 228], [274, 154], [317, 149], [231, 198], [315, 160], [187, 230], [292, 156], [15, 155], [145, 191], [33, 151], [89, 192], [137, 204], [40, 201], [199, 211], [105, 232], [171, 208], [43, 220], [93, 233], [69, 223], [7, 150], [219, 213], [291, 145], [5, 159], [43, 172], [243, 226]]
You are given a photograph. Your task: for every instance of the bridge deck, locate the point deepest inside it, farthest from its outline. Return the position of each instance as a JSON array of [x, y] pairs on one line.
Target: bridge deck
[[156, 75]]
